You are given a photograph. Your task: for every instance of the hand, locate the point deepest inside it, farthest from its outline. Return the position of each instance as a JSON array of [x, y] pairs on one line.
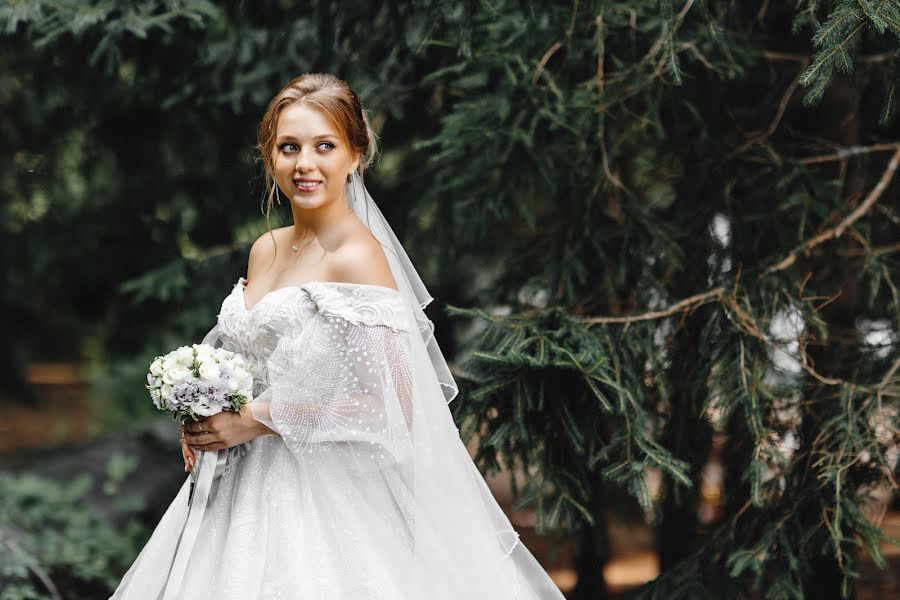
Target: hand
[[221, 431]]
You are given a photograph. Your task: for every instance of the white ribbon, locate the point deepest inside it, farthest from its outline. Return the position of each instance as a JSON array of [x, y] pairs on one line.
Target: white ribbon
[[209, 468]]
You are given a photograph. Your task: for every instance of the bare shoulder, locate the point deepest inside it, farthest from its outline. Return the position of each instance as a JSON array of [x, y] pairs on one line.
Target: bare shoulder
[[262, 251], [361, 259]]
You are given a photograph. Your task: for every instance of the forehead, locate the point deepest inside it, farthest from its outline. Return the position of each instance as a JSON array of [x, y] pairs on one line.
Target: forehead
[[301, 122]]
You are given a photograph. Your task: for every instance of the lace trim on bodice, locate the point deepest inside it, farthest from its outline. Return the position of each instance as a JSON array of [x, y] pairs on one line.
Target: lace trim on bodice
[[361, 304], [358, 303]]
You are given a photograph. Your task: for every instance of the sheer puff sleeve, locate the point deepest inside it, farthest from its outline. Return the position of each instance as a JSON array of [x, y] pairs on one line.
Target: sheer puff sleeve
[[344, 382]]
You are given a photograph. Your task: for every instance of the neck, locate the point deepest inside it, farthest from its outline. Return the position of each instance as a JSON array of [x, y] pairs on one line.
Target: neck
[[317, 222]]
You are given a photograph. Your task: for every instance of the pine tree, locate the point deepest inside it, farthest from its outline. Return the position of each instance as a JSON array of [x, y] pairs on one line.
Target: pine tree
[[702, 242]]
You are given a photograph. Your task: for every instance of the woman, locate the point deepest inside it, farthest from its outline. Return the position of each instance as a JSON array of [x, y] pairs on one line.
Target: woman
[[345, 477]]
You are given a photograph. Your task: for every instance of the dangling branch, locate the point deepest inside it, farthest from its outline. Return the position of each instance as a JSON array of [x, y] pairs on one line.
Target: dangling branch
[[686, 304], [543, 62], [840, 228], [845, 153]]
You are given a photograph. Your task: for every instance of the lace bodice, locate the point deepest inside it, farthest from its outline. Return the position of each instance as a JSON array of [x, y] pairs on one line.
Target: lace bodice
[[256, 331]]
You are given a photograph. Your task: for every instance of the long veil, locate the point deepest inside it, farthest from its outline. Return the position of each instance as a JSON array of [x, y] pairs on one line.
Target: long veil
[[457, 519], [415, 294]]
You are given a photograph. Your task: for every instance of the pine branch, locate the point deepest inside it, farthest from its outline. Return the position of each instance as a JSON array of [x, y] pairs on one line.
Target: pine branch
[[748, 325], [543, 62], [682, 305], [787, 56], [838, 230], [849, 152]]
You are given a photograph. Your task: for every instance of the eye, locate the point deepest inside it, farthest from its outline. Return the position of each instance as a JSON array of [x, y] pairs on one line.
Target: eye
[[327, 143], [288, 147]]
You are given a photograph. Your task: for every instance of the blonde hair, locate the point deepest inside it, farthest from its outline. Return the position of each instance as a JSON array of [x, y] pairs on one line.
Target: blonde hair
[[335, 99]]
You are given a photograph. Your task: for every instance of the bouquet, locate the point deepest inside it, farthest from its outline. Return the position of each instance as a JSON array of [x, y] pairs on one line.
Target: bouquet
[[194, 382], [199, 381]]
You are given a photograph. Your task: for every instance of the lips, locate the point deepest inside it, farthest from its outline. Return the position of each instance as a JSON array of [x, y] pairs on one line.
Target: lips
[[307, 185]]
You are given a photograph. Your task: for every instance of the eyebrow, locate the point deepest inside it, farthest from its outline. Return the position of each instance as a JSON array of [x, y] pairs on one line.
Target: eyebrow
[[315, 137]]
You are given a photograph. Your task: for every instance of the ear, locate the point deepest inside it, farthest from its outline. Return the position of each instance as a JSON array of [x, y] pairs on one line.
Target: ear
[[356, 162]]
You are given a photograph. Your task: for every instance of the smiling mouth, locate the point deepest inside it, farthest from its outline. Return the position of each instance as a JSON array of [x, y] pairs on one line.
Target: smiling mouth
[[306, 186]]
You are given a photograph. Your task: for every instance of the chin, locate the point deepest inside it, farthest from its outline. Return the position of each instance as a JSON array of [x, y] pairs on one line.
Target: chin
[[303, 201]]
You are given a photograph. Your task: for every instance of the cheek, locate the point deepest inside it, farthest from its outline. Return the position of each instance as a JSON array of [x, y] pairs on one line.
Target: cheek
[[279, 163]]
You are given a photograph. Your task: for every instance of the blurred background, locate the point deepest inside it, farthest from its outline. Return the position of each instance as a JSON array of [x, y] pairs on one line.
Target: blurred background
[[662, 238]]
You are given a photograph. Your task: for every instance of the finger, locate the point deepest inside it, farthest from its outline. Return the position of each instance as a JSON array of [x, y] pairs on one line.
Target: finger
[[198, 428], [210, 447], [188, 453], [194, 439]]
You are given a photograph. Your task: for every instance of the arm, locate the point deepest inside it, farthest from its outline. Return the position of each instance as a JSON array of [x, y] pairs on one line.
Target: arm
[[340, 383], [334, 375]]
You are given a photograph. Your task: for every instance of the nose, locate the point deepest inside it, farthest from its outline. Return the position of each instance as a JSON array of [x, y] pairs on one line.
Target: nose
[[304, 161]]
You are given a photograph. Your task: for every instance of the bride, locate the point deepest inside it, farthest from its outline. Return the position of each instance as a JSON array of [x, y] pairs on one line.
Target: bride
[[345, 477]]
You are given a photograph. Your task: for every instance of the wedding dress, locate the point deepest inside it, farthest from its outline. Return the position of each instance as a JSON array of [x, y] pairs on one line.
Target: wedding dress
[[367, 491]]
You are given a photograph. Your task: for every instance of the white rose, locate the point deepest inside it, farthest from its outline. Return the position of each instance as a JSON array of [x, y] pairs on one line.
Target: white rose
[[205, 353], [156, 367], [176, 374], [183, 356], [166, 392], [209, 371]]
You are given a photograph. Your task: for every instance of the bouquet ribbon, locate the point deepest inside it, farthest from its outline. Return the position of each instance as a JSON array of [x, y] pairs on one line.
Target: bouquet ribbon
[[210, 467]]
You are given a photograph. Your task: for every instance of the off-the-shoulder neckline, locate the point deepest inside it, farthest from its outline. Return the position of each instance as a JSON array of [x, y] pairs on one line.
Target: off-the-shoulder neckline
[[302, 286]]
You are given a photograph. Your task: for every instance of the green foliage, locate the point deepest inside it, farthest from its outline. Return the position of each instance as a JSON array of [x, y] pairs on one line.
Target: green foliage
[[667, 215], [837, 42], [567, 403], [52, 538]]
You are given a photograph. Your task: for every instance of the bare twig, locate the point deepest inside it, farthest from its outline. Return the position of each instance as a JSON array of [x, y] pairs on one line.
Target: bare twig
[[700, 56], [746, 323], [543, 62], [686, 304], [760, 138], [601, 51], [838, 230], [761, 13], [785, 99], [601, 130], [876, 251], [890, 373], [865, 58], [889, 214], [845, 153]]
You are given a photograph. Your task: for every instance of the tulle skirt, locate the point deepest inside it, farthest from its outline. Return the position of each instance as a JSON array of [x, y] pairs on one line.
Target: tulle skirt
[[280, 528]]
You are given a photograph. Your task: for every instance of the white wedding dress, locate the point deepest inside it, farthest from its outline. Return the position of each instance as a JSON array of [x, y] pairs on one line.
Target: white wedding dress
[[366, 493]]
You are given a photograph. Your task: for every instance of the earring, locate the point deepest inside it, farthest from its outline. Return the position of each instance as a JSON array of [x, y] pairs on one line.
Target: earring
[[277, 195]]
